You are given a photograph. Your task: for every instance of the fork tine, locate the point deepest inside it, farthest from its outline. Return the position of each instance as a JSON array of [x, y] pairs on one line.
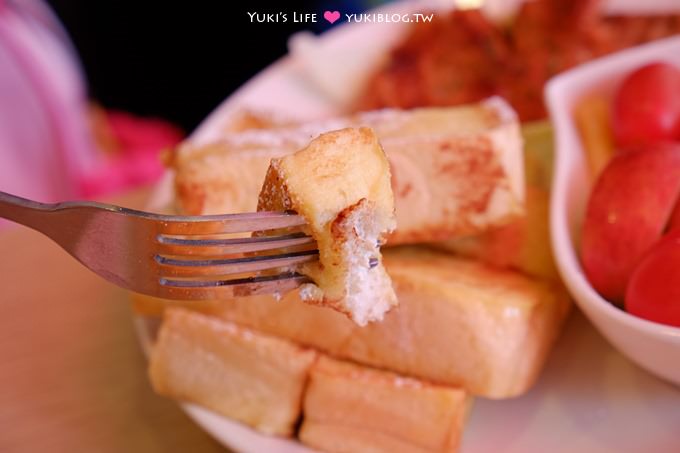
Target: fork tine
[[228, 223], [216, 289], [186, 268], [216, 247], [122, 245]]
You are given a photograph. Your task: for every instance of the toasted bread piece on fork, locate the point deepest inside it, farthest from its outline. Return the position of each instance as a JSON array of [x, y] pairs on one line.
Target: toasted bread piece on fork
[[340, 184]]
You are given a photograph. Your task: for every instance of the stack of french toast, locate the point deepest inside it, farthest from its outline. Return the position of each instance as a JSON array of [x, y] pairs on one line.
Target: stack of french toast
[[460, 298]]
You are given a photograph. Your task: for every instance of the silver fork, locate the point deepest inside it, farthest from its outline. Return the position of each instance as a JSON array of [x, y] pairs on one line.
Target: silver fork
[[173, 257]]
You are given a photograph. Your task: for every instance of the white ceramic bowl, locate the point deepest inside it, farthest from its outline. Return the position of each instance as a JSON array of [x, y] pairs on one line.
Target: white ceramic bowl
[[653, 346]]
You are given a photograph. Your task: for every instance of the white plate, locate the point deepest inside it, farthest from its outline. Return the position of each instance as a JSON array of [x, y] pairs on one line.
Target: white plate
[[589, 398]]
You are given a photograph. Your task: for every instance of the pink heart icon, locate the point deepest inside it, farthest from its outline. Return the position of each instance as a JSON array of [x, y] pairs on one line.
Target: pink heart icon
[[331, 16]]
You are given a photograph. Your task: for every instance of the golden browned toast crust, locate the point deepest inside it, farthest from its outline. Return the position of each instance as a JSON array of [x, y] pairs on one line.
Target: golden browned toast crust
[[458, 322], [348, 407], [340, 184]]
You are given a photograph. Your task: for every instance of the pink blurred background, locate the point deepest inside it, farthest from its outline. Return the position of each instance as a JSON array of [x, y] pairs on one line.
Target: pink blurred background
[[55, 144]]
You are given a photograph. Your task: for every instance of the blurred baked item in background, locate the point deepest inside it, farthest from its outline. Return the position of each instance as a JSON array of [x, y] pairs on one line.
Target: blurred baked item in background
[[246, 119], [524, 243], [340, 184], [455, 171], [462, 57], [459, 322], [256, 379], [350, 408]]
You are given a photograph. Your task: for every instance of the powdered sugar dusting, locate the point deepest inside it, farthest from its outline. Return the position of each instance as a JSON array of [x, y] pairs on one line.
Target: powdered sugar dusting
[[310, 291], [402, 382]]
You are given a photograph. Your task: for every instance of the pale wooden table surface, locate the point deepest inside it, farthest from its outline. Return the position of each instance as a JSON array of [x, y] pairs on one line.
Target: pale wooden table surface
[[72, 376]]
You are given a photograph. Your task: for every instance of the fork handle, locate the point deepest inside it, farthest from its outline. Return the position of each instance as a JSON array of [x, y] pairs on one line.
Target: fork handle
[[23, 211]]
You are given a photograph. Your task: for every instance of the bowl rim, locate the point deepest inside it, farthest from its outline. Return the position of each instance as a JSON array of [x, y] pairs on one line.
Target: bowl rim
[[565, 135]]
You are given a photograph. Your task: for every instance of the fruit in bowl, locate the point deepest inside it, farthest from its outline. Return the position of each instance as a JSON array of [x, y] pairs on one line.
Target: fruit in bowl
[[628, 211], [652, 344], [653, 291], [632, 203], [674, 222], [646, 108]]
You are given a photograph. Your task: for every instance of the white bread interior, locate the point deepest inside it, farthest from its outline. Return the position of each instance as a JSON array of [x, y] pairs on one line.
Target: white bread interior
[[340, 183], [251, 377]]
